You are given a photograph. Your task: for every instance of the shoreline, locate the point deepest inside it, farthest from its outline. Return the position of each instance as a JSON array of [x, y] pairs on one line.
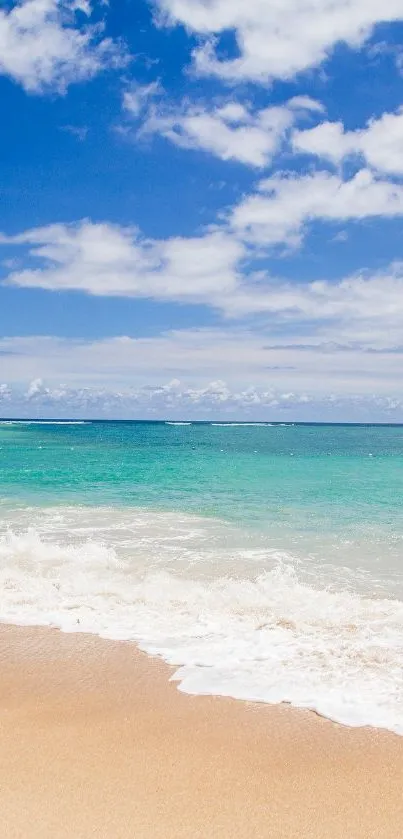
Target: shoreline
[[96, 741]]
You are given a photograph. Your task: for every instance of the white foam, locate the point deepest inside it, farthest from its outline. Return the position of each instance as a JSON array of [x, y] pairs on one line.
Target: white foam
[[45, 422], [242, 424], [178, 423], [234, 621]]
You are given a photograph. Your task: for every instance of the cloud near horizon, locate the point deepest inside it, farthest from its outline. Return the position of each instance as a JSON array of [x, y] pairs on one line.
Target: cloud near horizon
[[174, 400], [271, 375]]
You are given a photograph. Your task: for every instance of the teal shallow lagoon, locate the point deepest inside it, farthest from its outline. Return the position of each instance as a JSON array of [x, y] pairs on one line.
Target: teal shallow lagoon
[[264, 561]]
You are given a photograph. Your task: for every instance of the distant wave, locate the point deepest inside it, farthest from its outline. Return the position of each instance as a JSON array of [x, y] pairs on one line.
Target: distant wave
[[242, 424], [178, 423], [45, 422]]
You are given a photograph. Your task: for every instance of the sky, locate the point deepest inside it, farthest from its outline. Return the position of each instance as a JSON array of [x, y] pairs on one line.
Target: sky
[[202, 209]]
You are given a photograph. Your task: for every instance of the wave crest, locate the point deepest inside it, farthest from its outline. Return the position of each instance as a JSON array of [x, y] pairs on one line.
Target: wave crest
[[262, 636]]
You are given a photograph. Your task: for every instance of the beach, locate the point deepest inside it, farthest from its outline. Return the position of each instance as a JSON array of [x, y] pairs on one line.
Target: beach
[[97, 741]]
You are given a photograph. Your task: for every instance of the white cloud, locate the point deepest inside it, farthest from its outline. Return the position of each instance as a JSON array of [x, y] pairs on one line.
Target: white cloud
[[136, 97], [306, 103], [286, 203], [106, 259], [362, 309], [35, 388], [232, 131], [172, 400], [191, 373], [5, 393], [214, 401], [380, 143], [80, 132], [311, 337], [326, 140], [212, 269], [276, 38], [46, 44]]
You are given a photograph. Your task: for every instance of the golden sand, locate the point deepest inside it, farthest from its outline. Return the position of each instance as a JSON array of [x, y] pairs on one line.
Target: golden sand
[[96, 742]]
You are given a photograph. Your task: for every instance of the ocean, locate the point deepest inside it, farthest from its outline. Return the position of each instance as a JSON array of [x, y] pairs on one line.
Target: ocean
[[263, 561]]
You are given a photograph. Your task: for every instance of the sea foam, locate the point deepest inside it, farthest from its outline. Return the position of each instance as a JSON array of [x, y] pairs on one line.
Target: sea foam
[[234, 621], [45, 422]]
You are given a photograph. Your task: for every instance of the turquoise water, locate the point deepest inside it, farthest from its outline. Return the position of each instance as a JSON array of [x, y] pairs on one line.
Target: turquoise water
[[345, 475], [243, 554], [294, 483]]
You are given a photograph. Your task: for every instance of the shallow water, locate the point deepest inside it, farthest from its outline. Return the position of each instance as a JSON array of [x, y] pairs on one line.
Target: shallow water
[[264, 561]]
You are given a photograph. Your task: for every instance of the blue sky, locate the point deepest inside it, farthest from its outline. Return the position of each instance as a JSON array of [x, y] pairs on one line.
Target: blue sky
[[201, 209]]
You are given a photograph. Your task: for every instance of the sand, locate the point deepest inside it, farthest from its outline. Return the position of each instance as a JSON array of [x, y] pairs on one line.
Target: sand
[[97, 742]]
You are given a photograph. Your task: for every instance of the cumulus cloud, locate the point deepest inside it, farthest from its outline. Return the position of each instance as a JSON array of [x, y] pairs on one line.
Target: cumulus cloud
[[215, 401], [48, 44], [105, 259], [276, 39], [36, 388], [172, 396], [380, 143], [212, 268], [230, 131], [285, 203], [5, 393], [352, 352]]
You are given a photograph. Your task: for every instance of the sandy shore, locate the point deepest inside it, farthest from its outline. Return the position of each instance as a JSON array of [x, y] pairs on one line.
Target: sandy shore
[[95, 741]]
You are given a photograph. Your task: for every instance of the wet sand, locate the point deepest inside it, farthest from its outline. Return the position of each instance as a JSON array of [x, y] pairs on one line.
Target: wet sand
[[96, 742]]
